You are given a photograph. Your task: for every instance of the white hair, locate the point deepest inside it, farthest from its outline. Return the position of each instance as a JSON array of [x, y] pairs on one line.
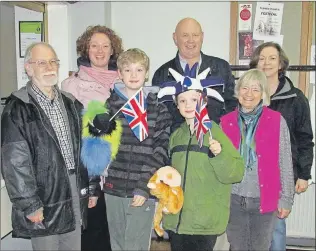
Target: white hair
[[28, 52], [256, 75]]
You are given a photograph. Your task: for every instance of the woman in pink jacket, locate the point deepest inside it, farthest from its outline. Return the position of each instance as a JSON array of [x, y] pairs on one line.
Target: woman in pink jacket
[[262, 137], [98, 49]]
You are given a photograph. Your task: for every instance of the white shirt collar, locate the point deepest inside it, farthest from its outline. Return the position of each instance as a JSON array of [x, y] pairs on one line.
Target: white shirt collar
[[183, 62]]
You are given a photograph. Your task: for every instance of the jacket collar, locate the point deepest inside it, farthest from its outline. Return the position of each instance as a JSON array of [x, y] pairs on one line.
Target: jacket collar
[[24, 92], [183, 63], [203, 64], [287, 91], [150, 92]]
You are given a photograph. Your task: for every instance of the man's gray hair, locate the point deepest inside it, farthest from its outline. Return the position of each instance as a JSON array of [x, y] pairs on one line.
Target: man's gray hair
[[28, 52], [255, 75]]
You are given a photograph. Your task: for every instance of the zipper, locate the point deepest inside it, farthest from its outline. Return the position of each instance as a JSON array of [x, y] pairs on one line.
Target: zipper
[[128, 172], [57, 147], [50, 134], [78, 163], [184, 177]]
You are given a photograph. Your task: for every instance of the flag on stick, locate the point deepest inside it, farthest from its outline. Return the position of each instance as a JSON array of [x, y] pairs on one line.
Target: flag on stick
[[202, 122]]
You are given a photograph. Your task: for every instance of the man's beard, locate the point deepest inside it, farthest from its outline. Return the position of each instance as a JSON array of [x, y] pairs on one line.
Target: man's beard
[[43, 81]]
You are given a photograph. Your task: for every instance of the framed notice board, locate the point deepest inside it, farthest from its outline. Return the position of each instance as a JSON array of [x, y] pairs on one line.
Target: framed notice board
[[297, 29], [29, 32]]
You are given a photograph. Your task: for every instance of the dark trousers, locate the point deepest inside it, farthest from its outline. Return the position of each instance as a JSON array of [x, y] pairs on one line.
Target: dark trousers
[[185, 242], [96, 237]]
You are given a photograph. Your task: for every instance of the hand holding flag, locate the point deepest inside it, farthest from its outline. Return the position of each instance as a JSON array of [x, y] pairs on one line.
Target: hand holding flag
[[202, 122], [215, 146]]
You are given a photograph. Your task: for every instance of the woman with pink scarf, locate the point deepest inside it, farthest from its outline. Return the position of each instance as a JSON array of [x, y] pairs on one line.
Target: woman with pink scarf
[[98, 49]]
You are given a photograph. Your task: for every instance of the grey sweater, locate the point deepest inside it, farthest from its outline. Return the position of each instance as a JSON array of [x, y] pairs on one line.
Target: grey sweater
[[249, 186]]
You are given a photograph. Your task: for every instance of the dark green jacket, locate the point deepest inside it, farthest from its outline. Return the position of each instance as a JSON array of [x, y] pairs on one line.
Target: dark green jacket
[[206, 181]]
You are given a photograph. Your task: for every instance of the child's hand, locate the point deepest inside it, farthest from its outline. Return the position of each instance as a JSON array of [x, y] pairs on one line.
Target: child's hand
[[138, 201], [92, 202], [215, 146]]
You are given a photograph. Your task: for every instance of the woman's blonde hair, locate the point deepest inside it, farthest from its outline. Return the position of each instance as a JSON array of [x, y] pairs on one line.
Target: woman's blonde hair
[[255, 75]]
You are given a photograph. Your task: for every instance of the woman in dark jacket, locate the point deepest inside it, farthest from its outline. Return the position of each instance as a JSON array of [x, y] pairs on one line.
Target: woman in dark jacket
[[294, 107], [98, 48]]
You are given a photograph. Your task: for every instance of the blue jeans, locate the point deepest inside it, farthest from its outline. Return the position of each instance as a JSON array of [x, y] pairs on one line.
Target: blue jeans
[[279, 236]]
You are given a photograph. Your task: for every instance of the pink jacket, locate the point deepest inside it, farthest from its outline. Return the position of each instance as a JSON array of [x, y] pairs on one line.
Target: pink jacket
[[85, 88], [267, 139]]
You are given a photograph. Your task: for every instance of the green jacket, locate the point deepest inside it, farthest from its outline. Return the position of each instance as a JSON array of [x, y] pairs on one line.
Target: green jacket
[[206, 182]]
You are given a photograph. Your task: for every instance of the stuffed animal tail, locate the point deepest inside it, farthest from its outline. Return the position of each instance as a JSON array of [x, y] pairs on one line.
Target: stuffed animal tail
[[157, 220]]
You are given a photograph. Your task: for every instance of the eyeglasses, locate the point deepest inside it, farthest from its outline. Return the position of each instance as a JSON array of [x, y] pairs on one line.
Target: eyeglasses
[[41, 63]]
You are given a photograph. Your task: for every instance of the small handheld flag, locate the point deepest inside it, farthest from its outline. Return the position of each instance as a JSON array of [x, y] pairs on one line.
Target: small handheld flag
[[136, 115], [202, 122]]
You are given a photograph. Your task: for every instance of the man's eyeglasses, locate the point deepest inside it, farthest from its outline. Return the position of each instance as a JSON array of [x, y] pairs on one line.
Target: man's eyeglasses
[[44, 63]]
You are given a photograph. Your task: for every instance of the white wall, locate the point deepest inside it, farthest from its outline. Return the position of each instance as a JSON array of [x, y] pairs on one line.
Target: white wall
[[149, 26], [58, 35], [8, 76], [81, 15]]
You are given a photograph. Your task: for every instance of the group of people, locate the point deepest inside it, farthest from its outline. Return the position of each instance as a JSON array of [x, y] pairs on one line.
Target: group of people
[[241, 180]]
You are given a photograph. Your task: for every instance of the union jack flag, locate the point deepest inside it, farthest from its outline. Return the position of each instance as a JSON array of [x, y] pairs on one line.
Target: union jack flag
[[136, 115], [202, 122]]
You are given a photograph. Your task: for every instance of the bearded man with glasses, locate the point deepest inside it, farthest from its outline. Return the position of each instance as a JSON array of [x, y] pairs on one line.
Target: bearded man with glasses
[[40, 146]]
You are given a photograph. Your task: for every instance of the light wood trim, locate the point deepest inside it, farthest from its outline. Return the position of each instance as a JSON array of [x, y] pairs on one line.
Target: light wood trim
[[45, 18], [36, 6], [306, 42], [233, 32]]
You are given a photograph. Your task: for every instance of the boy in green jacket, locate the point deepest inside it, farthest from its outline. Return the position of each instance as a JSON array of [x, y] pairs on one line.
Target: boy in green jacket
[[207, 169]]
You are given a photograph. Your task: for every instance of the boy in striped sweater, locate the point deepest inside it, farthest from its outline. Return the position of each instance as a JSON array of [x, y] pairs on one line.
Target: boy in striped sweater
[[130, 211]]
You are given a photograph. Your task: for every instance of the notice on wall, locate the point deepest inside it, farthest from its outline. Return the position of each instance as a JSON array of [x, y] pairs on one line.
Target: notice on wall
[[245, 16], [245, 45], [243, 62], [29, 32], [268, 19], [28, 29], [259, 39]]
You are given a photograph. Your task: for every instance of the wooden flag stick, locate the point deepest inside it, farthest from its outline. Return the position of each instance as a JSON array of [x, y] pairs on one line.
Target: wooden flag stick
[[211, 137]]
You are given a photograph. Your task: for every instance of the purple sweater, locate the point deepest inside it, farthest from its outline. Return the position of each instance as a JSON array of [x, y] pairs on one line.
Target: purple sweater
[[267, 139]]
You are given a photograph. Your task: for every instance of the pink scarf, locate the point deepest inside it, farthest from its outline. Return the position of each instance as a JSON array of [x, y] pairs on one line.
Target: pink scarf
[[104, 77]]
